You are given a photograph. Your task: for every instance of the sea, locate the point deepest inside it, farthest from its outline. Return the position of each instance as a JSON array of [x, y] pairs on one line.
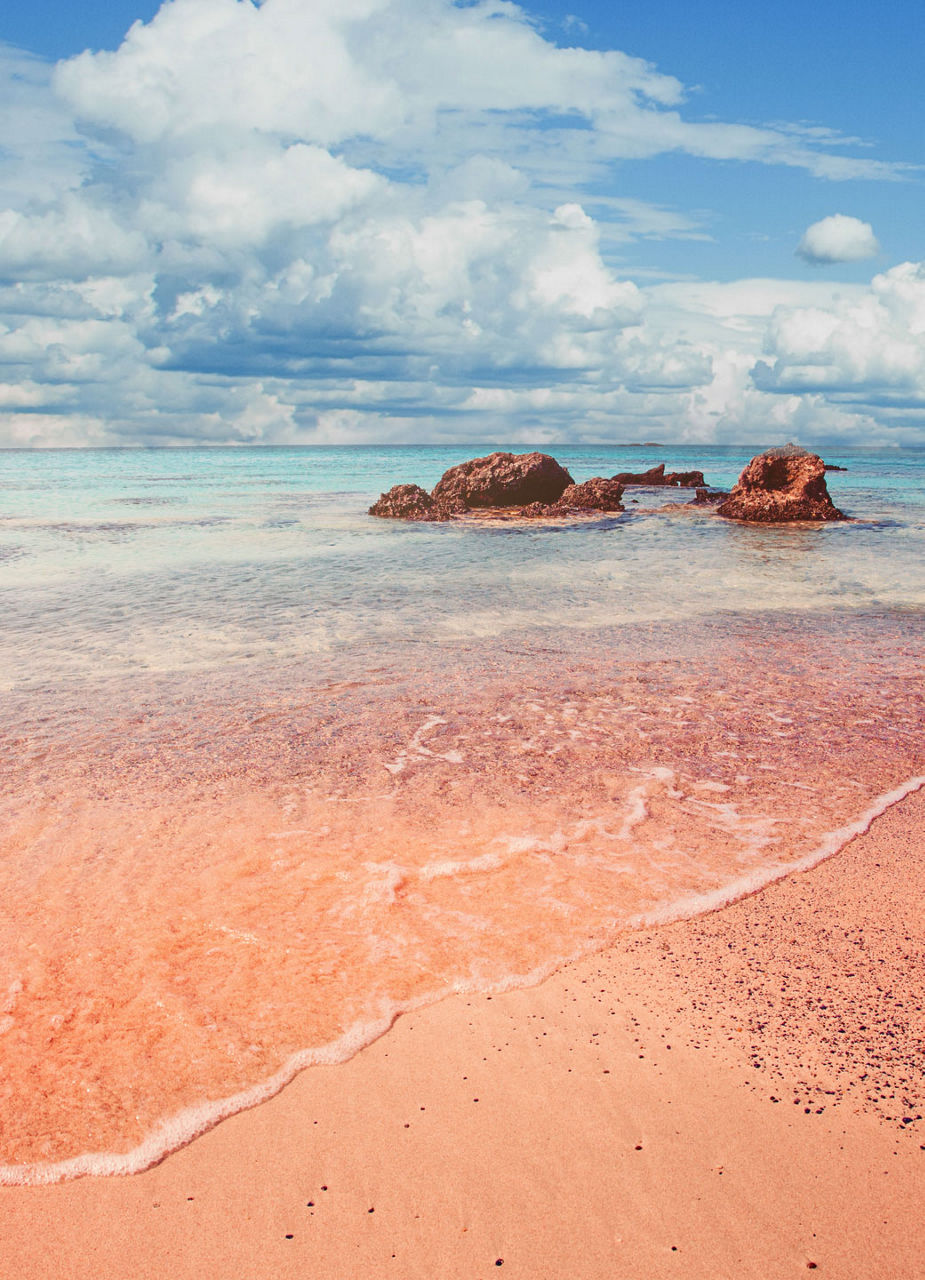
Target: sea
[[273, 771]]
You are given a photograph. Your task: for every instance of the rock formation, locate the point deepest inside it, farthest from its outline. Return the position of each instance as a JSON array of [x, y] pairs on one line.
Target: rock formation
[[526, 485], [500, 480], [709, 497], [405, 502], [656, 476], [787, 483], [503, 480], [596, 494]]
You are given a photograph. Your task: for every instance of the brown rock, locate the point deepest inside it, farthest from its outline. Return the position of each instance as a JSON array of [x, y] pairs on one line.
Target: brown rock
[[787, 483], [709, 497], [503, 480], [405, 502], [656, 476], [685, 479], [596, 494]]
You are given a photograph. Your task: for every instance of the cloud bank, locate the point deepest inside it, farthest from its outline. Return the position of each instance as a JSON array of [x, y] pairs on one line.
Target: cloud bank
[[838, 239], [292, 222]]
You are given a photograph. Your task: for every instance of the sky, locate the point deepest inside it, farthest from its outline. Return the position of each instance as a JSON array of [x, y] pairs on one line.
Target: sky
[[374, 221]]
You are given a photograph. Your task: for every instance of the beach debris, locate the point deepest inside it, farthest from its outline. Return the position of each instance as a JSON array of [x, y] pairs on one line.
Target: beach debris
[[786, 483], [657, 477]]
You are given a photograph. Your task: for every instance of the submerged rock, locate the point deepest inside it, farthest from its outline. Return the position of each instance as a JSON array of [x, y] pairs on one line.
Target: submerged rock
[[503, 480], [787, 483], [656, 476], [705, 497]]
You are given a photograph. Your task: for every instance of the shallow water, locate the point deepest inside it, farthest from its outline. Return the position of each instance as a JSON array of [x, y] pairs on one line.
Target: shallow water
[[274, 770]]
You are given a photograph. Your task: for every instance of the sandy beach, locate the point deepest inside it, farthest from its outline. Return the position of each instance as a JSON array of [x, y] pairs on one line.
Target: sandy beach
[[462, 682], [739, 1095]]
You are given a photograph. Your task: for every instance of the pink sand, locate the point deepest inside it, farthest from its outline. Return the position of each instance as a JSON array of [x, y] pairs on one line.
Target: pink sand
[[618, 1120]]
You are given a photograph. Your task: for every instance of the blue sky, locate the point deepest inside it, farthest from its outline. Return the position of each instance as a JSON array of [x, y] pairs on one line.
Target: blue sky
[[414, 219]]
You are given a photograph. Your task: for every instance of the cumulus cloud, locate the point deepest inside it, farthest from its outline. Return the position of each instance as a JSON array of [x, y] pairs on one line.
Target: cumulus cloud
[[862, 349], [838, 239], [287, 220]]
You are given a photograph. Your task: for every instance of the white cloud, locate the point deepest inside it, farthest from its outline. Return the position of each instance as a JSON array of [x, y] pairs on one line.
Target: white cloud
[[242, 198], [41, 145], [287, 220], [71, 240], [331, 70], [862, 349], [838, 239]]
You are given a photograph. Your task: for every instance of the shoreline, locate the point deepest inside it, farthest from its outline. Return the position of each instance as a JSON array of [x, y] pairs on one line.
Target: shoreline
[[178, 1131], [782, 1126]]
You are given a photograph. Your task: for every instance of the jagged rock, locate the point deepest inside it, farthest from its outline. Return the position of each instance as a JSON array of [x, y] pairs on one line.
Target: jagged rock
[[503, 480], [596, 494], [411, 502], [446, 507], [685, 479], [709, 497], [787, 483], [405, 502], [656, 476], [533, 482]]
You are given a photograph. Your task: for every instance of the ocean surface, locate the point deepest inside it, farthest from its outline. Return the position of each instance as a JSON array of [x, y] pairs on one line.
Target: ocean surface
[[272, 770]]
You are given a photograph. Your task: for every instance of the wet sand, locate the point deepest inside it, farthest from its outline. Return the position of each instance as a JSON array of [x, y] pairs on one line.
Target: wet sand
[[735, 1096]]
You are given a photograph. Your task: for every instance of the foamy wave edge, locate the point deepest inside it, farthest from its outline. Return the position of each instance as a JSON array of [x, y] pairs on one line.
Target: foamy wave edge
[[192, 1122]]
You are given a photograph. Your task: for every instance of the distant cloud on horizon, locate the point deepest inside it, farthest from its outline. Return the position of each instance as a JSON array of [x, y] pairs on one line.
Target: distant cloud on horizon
[[838, 239], [293, 223]]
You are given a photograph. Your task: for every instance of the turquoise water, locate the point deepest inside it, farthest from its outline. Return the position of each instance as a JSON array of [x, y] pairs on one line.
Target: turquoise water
[[276, 770], [123, 561]]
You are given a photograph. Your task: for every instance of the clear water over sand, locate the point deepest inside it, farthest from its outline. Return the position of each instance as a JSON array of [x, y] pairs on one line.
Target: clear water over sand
[[273, 770]]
